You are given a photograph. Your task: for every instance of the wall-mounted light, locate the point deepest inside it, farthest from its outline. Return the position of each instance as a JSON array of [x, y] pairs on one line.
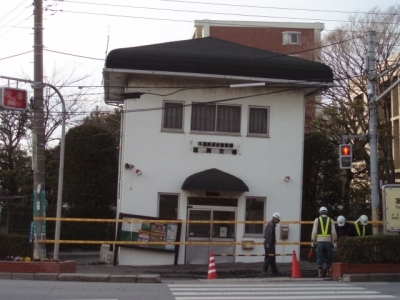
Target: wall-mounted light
[[138, 172], [129, 166], [287, 178]]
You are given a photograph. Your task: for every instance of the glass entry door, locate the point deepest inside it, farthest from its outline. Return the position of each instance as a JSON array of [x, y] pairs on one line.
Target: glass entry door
[[208, 232]]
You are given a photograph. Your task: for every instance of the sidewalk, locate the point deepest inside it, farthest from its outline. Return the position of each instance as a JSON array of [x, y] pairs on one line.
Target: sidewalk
[[90, 269], [89, 263]]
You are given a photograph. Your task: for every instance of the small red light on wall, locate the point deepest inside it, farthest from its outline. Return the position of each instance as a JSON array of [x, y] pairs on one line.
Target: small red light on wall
[[287, 178], [138, 172]]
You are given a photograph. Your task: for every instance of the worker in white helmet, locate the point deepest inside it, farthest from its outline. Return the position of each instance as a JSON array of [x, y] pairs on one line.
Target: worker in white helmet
[[324, 235], [344, 228], [269, 245], [361, 225]]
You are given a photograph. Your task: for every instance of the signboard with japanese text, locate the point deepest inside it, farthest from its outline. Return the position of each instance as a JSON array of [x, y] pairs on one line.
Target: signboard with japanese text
[[144, 229], [13, 99], [391, 198]]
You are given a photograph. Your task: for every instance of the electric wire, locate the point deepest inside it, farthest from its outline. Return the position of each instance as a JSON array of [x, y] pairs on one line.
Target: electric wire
[[215, 13]]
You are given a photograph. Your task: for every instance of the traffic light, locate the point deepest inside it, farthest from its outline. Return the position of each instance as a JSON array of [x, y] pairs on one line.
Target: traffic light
[[345, 156]]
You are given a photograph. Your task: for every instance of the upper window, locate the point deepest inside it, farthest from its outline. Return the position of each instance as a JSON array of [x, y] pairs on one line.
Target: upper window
[[258, 121], [172, 116], [254, 212], [291, 37], [213, 118], [168, 207]]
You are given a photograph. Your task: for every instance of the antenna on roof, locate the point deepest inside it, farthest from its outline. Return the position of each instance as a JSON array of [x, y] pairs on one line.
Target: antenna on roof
[[108, 40]]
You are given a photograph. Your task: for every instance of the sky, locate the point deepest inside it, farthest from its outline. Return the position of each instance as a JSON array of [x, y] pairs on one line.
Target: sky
[[78, 34]]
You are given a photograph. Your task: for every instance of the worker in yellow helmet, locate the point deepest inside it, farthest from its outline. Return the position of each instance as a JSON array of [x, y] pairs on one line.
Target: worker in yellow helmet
[[324, 235], [361, 226]]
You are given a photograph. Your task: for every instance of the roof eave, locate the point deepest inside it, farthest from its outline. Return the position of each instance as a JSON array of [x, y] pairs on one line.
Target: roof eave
[[112, 95]]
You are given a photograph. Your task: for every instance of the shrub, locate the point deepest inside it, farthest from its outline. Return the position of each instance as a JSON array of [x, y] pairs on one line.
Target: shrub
[[13, 245], [369, 249]]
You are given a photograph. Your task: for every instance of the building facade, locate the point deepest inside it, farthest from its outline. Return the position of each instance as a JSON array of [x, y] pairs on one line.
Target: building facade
[[290, 38], [212, 131]]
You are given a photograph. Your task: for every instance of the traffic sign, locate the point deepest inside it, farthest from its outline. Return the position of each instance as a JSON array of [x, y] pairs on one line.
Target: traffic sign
[[13, 99]]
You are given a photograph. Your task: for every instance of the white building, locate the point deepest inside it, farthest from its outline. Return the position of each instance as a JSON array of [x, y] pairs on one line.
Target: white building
[[214, 128]]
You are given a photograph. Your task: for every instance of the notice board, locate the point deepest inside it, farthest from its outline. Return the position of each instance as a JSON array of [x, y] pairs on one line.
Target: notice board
[[147, 230]]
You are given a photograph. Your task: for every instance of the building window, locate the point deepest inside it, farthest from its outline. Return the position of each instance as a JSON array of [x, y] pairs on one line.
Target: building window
[[255, 208], [214, 118], [291, 37], [258, 121], [168, 207], [172, 116]]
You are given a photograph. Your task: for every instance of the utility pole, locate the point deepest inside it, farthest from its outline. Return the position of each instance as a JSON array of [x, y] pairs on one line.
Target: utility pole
[[39, 250], [373, 134]]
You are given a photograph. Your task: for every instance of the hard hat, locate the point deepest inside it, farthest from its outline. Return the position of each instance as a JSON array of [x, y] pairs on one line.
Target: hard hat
[[277, 215], [341, 220], [323, 208], [363, 219]]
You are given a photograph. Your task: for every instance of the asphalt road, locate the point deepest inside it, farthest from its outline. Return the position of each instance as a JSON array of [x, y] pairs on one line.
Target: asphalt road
[[216, 290]]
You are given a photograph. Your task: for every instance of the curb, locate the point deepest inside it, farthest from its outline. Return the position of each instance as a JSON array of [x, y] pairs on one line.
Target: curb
[[387, 277], [78, 277]]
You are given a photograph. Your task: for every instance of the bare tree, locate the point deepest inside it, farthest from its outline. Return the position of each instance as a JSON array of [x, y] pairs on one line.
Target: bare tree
[[77, 96], [345, 107]]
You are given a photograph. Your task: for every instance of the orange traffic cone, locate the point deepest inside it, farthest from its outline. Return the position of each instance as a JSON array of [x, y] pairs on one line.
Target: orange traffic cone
[[295, 266], [212, 270]]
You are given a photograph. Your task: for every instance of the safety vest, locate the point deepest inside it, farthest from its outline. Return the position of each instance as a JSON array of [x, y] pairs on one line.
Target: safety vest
[[324, 229], [358, 229]]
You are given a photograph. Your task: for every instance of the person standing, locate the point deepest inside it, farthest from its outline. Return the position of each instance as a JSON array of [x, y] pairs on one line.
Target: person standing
[[361, 226], [344, 228], [269, 245], [324, 235]]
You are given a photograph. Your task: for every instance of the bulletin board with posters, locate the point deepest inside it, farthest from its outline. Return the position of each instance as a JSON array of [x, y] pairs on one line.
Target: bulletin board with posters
[[147, 230], [391, 199]]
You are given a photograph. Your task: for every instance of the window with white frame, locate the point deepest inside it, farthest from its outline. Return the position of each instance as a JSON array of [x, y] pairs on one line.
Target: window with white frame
[[255, 207], [215, 118], [291, 37], [172, 116], [258, 121], [168, 206]]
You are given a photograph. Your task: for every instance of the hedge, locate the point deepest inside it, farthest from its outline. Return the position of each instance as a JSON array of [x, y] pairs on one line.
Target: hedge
[[14, 245], [369, 249]]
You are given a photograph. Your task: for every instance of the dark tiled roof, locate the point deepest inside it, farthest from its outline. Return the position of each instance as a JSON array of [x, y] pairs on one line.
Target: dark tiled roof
[[214, 56], [214, 180]]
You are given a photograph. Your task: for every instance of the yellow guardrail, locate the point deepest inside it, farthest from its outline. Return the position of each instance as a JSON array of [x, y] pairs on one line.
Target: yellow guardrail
[[134, 220], [163, 243]]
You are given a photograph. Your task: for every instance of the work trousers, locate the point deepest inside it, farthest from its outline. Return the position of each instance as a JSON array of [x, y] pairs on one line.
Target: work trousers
[[324, 254], [270, 260]]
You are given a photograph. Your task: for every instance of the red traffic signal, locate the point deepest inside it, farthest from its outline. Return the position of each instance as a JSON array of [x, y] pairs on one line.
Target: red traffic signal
[[345, 150], [345, 156]]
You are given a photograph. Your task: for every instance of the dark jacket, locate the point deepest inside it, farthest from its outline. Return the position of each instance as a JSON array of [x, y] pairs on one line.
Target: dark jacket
[[346, 230], [269, 234]]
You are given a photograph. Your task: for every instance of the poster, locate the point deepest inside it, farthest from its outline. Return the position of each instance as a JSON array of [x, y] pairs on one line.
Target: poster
[[149, 232]]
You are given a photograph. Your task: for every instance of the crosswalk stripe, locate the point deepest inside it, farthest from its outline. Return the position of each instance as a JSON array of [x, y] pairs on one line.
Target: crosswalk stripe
[[277, 293], [272, 292], [294, 297], [267, 288], [259, 285]]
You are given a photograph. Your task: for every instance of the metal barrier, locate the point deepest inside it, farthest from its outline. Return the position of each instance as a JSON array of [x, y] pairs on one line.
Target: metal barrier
[[175, 221], [224, 255]]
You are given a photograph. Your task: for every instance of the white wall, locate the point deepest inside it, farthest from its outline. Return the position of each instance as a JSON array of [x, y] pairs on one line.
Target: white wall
[[166, 159]]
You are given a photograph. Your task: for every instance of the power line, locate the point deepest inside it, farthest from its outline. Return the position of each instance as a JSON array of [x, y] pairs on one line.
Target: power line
[[102, 59], [268, 7], [223, 4], [16, 55], [215, 13]]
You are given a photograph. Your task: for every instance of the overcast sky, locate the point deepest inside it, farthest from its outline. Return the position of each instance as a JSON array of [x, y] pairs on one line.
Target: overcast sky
[[80, 32]]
